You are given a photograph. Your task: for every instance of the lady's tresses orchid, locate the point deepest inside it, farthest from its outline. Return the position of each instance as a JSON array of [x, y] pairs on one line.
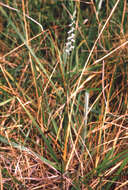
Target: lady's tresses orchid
[[71, 36]]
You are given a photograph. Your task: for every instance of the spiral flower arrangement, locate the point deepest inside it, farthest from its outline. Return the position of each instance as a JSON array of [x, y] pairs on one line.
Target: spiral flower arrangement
[[69, 46]]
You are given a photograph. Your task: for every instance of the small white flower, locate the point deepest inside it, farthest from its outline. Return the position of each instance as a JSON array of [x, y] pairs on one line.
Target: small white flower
[[72, 47], [71, 37], [72, 40], [72, 30], [68, 44]]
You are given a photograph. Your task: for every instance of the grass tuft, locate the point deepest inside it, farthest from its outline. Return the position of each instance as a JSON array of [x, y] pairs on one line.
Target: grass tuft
[[63, 95]]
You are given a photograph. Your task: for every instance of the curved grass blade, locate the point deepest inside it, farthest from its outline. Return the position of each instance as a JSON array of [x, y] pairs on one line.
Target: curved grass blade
[[23, 148]]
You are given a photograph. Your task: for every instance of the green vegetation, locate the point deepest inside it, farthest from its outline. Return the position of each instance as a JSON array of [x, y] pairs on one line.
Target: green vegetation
[[63, 95]]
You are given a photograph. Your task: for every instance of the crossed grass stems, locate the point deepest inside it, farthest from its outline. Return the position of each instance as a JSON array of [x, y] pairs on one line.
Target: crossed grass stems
[[44, 112]]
